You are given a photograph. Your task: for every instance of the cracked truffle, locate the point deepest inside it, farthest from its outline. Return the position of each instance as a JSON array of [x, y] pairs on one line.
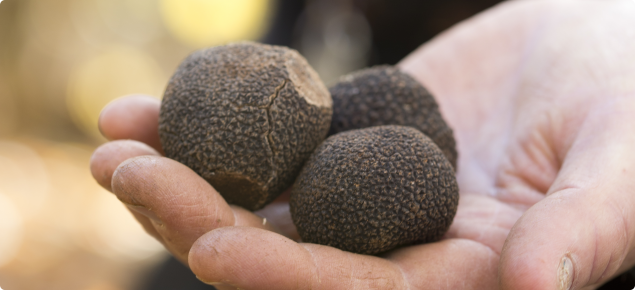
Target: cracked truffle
[[245, 117], [371, 190], [383, 95]]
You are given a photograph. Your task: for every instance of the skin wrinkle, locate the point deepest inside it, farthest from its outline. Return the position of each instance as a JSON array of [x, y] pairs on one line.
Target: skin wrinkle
[[565, 187], [128, 168], [403, 276], [549, 138], [627, 258], [573, 140], [606, 268], [536, 147], [520, 201], [611, 268], [516, 85], [487, 215], [315, 265], [543, 168], [566, 149], [595, 254], [488, 245], [627, 237], [474, 219], [192, 224], [212, 246], [350, 277], [594, 264], [490, 223], [196, 217], [524, 178]]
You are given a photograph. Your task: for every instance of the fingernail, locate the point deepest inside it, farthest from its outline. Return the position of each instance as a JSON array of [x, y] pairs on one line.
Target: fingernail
[[144, 211], [565, 273]]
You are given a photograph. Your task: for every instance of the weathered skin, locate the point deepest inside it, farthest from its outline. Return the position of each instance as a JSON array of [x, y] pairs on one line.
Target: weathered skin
[[245, 117], [383, 95], [370, 190]]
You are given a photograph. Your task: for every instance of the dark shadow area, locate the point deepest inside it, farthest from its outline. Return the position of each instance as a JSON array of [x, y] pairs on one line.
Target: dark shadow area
[[625, 281], [172, 275]]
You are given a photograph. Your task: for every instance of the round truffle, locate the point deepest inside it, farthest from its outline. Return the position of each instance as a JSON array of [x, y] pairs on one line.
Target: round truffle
[[245, 117], [370, 190], [384, 95]]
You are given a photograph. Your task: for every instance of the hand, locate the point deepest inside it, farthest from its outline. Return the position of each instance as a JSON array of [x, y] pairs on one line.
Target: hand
[[542, 100], [238, 247]]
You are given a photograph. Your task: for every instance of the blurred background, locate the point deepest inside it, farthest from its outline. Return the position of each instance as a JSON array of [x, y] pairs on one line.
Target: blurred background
[[62, 61]]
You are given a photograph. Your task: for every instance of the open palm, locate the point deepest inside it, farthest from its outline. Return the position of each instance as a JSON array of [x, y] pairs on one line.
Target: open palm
[[541, 97]]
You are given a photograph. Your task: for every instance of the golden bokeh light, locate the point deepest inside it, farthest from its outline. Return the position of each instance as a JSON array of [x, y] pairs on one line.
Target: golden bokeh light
[[111, 231], [120, 70], [202, 23], [11, 227], [23, 177], [78, 225]]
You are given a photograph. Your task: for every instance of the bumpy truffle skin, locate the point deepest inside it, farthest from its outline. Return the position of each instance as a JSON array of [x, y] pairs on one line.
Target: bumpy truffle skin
[[245, 117], [384, 95], [370, 190]]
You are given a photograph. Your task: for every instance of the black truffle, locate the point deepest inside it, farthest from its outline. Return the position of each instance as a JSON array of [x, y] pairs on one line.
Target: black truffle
[[245, 117], [370, 190], [383, 95]]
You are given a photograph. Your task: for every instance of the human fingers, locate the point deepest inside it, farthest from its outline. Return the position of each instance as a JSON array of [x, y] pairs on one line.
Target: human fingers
[[133, 117], [180, 205], [275, 262], [105, 160], [108, 156], [483, 219], [582, 233]]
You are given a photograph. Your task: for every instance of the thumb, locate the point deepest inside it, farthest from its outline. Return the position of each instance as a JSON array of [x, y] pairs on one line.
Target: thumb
[[582, 233]]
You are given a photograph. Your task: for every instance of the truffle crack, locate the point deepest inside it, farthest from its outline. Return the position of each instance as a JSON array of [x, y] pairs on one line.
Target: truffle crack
[[238, 116], [270, 142]]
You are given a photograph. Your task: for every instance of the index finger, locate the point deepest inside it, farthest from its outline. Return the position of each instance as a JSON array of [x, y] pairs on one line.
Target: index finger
[[251, 258], [133, 117], [180, 205]]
